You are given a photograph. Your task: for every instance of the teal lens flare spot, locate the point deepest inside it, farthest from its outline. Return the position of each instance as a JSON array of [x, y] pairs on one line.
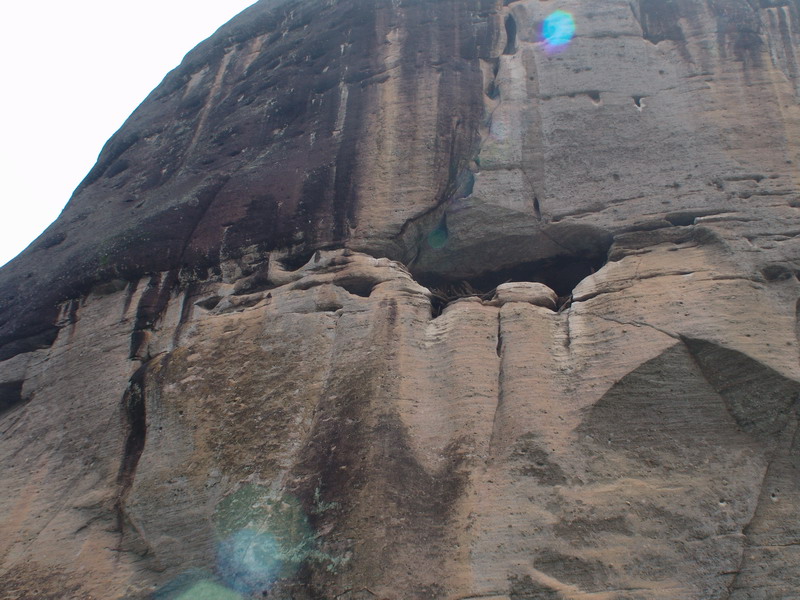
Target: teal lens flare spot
[[438, 237], [208, 590], [250, 561], [558, 30]]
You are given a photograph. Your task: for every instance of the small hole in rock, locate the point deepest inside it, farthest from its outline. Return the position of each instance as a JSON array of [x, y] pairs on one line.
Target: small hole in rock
[[209, 303], [296, 259], [637, 100], [358, 286], [681, 219]]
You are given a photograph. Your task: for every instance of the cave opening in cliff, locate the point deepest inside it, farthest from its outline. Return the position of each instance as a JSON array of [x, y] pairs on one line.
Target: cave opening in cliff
[[10, 395], [561, 273]]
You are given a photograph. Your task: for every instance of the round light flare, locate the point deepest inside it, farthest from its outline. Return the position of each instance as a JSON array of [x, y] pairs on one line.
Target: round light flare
[[249, 561], [262, 539], [558, 29]]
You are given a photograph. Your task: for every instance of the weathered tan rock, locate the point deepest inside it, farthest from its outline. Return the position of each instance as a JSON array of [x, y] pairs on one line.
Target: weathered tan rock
[[294, 337], [524, 291]]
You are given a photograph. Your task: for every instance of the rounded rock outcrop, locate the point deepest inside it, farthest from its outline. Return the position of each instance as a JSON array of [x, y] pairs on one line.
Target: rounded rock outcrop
[[537, 294]]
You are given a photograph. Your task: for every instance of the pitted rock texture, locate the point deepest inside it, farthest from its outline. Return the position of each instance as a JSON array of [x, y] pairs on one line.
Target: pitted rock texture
[[384, 299]]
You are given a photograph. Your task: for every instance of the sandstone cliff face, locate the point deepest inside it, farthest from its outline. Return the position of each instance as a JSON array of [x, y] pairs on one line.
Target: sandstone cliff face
[[266, 351]]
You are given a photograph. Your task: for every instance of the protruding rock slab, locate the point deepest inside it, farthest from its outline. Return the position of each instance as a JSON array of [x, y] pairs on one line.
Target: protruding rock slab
[[537, 294]]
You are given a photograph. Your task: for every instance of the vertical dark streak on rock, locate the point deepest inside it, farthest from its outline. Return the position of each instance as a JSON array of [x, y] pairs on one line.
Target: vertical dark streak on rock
[[511, 35], [152, 303], [134, 413], [359, 457], [797, 321], [205, 197], [534, 142], [186, 311], [345, 202], [202, 118], [660, 21], [460, 101], [786, 39], [359, 97], [156, 296], [72, 317], [496, 434], [129, 291], [499, 346]]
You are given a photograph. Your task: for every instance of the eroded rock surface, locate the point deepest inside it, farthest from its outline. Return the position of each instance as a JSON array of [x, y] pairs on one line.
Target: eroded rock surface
[[392, 299]]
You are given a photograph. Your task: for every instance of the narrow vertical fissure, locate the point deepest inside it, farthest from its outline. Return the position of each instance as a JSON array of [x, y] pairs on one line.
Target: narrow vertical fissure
[[499, 347], [495, 436], [134, 413], [152, 305], [511, 35]]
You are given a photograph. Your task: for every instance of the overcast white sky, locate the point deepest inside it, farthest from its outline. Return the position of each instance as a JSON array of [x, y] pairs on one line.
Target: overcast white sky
[[72, 73]]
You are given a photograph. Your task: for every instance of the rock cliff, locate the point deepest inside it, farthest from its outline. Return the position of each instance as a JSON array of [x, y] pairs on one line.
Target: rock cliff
[[398, 299]]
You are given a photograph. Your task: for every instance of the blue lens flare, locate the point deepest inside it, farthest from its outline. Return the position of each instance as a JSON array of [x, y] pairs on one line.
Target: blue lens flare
[[249, 561], [208, 590], [262, 538], [558, 30], [438, 237]]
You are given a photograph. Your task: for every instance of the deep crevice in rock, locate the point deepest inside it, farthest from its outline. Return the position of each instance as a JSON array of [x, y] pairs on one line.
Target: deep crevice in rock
[[10, 395], [151, 307], [135, 415], [511, 35], [43, 338], [357, 286]]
